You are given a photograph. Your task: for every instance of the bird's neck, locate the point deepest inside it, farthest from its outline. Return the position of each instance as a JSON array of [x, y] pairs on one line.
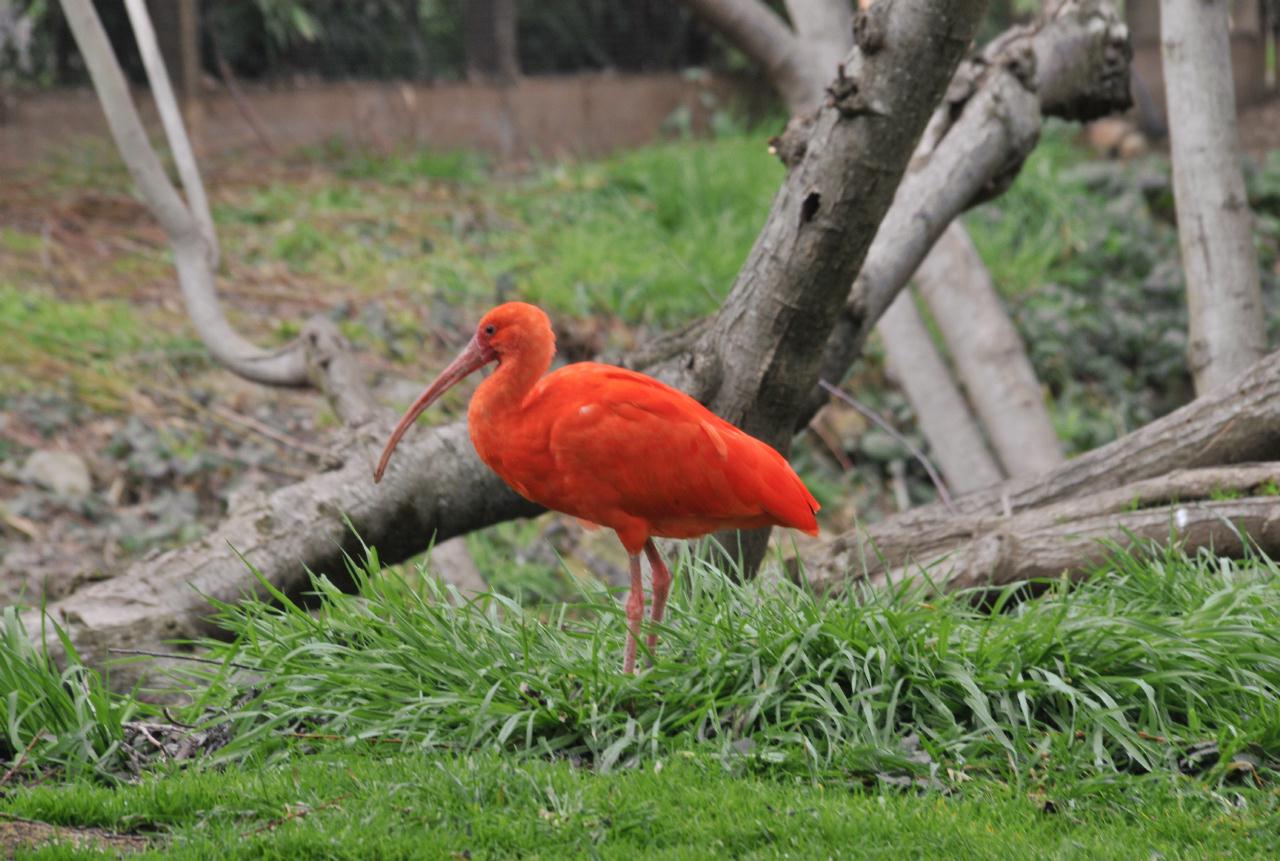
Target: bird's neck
[[506, 388]]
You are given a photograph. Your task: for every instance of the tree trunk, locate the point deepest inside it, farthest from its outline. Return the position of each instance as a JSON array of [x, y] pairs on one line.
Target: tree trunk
[[819, 24], [826, 29], [1075, 66], [1225, 442], [1215, 227], [177, 26], [989, 355], [489, 36], [942, 413], [192, 249], [789, 293], [438, 487], [758, 32]]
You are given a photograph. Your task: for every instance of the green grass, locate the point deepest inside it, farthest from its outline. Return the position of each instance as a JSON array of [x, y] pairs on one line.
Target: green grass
[[1038, 229], [1125, 673], [50, 718], [655, 235], [402, 722], [370, 804], [42, 337]]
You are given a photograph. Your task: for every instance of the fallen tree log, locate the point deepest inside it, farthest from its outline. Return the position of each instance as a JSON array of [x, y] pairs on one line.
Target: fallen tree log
[[1028, 527], [1236, 424], [1231, 510]]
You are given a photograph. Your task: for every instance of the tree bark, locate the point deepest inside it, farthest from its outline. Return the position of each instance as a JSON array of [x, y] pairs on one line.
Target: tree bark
[[947, 423], [789, 292], [942, 413], [1236, 424], [826, 29], [990, 358], [1215, 227], [287, 366], [438, 487], [753, 362], [1074, 66], [758, 32], [171, 118], [489, 33], [1193, 509]]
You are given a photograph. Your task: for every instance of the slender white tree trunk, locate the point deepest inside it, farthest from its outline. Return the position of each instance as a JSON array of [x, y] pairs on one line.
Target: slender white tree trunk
[[826, 28], [990, 358], [944, 417], [1215, 227]]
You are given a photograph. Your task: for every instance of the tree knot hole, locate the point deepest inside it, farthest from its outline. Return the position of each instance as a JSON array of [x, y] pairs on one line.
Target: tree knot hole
[[1021, 63], [809, 206]]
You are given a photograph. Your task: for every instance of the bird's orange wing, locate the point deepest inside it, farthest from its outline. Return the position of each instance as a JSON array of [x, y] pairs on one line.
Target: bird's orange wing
[[624, 446]]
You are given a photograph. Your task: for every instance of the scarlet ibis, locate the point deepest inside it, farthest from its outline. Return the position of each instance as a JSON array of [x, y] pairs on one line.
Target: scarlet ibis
[[612, 447]]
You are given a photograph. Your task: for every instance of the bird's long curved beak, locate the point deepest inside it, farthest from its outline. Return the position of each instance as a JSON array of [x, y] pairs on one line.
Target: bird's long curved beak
[[472, 358]]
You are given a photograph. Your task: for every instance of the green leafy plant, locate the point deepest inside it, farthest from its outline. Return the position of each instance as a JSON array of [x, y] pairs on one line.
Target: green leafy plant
[[1128, 671], [61, 719]]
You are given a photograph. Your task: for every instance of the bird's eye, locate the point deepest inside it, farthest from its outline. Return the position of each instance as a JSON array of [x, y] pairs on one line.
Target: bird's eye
[[490, 329]]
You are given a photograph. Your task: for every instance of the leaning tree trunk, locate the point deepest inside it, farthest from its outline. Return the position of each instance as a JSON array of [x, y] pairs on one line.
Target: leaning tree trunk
[[821, 30], [914, 363], [1215, 228], [759, 349], [989, 355], [441, 489]]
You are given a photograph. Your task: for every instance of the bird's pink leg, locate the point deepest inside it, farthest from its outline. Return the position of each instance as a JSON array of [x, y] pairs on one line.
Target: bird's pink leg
[[661, 587], [635, 614]]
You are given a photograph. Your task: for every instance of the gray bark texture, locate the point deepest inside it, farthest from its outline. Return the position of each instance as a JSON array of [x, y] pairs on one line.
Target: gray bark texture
[[976, 143], [914, 363], [759, 351], [1236, 424], [990, 358], [1215, 226], [764, 37], [1072, 537], [951, 431], [826, 29]]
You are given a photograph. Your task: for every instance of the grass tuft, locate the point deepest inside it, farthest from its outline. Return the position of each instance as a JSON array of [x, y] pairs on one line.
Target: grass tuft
[[54, 719], [1130, 671]]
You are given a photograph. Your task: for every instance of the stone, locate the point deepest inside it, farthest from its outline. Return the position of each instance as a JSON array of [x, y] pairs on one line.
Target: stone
[[62, 472], [452, 561]]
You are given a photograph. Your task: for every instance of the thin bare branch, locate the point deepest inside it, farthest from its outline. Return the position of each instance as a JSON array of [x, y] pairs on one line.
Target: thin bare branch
[[286, 366], [174, 129], [944, 495], [758, 32]]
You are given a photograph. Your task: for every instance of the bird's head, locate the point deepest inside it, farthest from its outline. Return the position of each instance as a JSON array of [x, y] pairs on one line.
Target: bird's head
[[509, 330]]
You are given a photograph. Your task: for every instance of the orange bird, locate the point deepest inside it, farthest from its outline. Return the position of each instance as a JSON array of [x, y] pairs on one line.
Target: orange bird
[[612, 447]]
